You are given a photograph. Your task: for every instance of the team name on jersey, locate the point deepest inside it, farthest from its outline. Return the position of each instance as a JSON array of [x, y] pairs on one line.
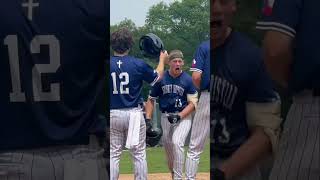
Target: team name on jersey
[[222, 91], [172, 88]]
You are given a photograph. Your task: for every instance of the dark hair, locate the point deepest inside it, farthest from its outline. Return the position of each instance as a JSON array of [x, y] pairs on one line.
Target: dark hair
[[121, 40]]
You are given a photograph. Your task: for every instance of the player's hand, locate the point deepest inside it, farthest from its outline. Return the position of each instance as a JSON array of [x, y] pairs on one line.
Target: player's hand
[[217, 174], [164, 57], [148, 126], [174, 118]]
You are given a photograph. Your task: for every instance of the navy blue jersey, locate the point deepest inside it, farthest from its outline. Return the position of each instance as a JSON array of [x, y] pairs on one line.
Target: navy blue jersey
[[126, 79], [298, 19], [52, 56], [172, 92], [201, 63], [238, 77]]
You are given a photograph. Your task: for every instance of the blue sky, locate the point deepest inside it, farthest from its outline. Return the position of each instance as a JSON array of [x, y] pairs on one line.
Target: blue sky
[[136, 10]]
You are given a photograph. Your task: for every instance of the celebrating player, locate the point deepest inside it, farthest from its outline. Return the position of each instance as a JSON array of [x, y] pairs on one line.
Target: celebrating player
[[53, 64], [177, 100], [127, 124], [245, 110], [293, 60]]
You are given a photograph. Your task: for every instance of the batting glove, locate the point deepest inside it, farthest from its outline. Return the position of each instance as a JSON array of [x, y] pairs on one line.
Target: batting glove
[[173, 118], [149, 128]]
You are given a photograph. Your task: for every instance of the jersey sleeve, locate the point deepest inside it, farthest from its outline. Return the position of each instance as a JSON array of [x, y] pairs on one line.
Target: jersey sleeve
[[198, 60], [191, 89], [149, 75], [155, 91], [261, 88], [283, 16]]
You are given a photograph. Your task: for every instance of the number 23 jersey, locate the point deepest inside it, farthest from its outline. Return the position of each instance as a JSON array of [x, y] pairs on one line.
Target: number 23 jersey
[[173, 92], [238, 77]]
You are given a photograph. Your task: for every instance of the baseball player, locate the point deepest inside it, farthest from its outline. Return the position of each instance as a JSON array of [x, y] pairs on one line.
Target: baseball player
[[127, 124], [53, 59], [292, 58], [177, 100], [245, 110], [201, 122]]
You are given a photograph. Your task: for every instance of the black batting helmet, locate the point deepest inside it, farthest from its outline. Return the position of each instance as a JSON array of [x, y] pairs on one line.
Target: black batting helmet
[[153, 138], [151, 45]]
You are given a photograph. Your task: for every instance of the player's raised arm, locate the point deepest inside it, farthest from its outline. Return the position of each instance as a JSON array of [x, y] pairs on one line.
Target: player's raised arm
[[163, 59]]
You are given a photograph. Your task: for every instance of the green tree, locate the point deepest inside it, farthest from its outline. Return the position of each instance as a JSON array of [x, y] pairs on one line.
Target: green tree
[[181, 24]]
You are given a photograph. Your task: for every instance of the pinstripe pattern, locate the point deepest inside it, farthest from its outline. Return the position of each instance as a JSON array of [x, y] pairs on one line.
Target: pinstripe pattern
[[298, 154], [173, 138], [119, 124], [199, 134], [254, 174], [51, 163]]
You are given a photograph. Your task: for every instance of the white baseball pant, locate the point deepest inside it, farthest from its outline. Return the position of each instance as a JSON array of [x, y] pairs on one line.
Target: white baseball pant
[[199, 134], [119, 124], [174, 136]]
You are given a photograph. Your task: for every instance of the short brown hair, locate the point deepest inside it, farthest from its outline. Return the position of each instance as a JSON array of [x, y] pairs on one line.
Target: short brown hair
[[121, 40], [175, 54]]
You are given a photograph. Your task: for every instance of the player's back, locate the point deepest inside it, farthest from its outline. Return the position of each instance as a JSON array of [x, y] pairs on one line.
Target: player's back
[[52, 68], [127, 74]]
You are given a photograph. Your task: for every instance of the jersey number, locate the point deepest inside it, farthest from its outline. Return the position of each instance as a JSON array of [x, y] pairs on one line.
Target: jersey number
[[17, 95], [124, 80], [178, 103]]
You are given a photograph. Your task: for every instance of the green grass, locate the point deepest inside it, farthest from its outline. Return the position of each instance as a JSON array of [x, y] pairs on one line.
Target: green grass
[[157, 162]]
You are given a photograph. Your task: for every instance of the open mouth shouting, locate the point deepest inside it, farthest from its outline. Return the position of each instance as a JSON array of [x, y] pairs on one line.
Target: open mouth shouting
[[216, 23]]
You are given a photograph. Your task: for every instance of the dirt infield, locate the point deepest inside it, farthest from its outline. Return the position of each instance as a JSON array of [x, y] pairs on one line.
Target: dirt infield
[[163, 176]]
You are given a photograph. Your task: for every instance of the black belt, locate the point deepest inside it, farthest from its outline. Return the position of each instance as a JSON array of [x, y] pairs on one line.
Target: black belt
[[205, 90], [166, 112]]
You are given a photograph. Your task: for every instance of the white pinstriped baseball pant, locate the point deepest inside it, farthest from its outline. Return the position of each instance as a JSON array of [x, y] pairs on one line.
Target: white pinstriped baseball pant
[[119, 124], [199, 134], [298, 154], [73, 162], [173, 139]]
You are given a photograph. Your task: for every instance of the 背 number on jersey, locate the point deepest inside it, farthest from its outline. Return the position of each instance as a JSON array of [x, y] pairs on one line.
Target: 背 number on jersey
[[124, 80], [17, 94]]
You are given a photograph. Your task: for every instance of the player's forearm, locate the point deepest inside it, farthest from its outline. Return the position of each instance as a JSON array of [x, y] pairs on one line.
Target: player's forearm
[[149, 108], [256, 148], [196, 79], [160, 68], [162, 61], [278, 57], [187, 110]]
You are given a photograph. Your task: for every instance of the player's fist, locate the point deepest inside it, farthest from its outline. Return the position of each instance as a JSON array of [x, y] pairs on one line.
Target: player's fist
[[173, 118], [164, 57]]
